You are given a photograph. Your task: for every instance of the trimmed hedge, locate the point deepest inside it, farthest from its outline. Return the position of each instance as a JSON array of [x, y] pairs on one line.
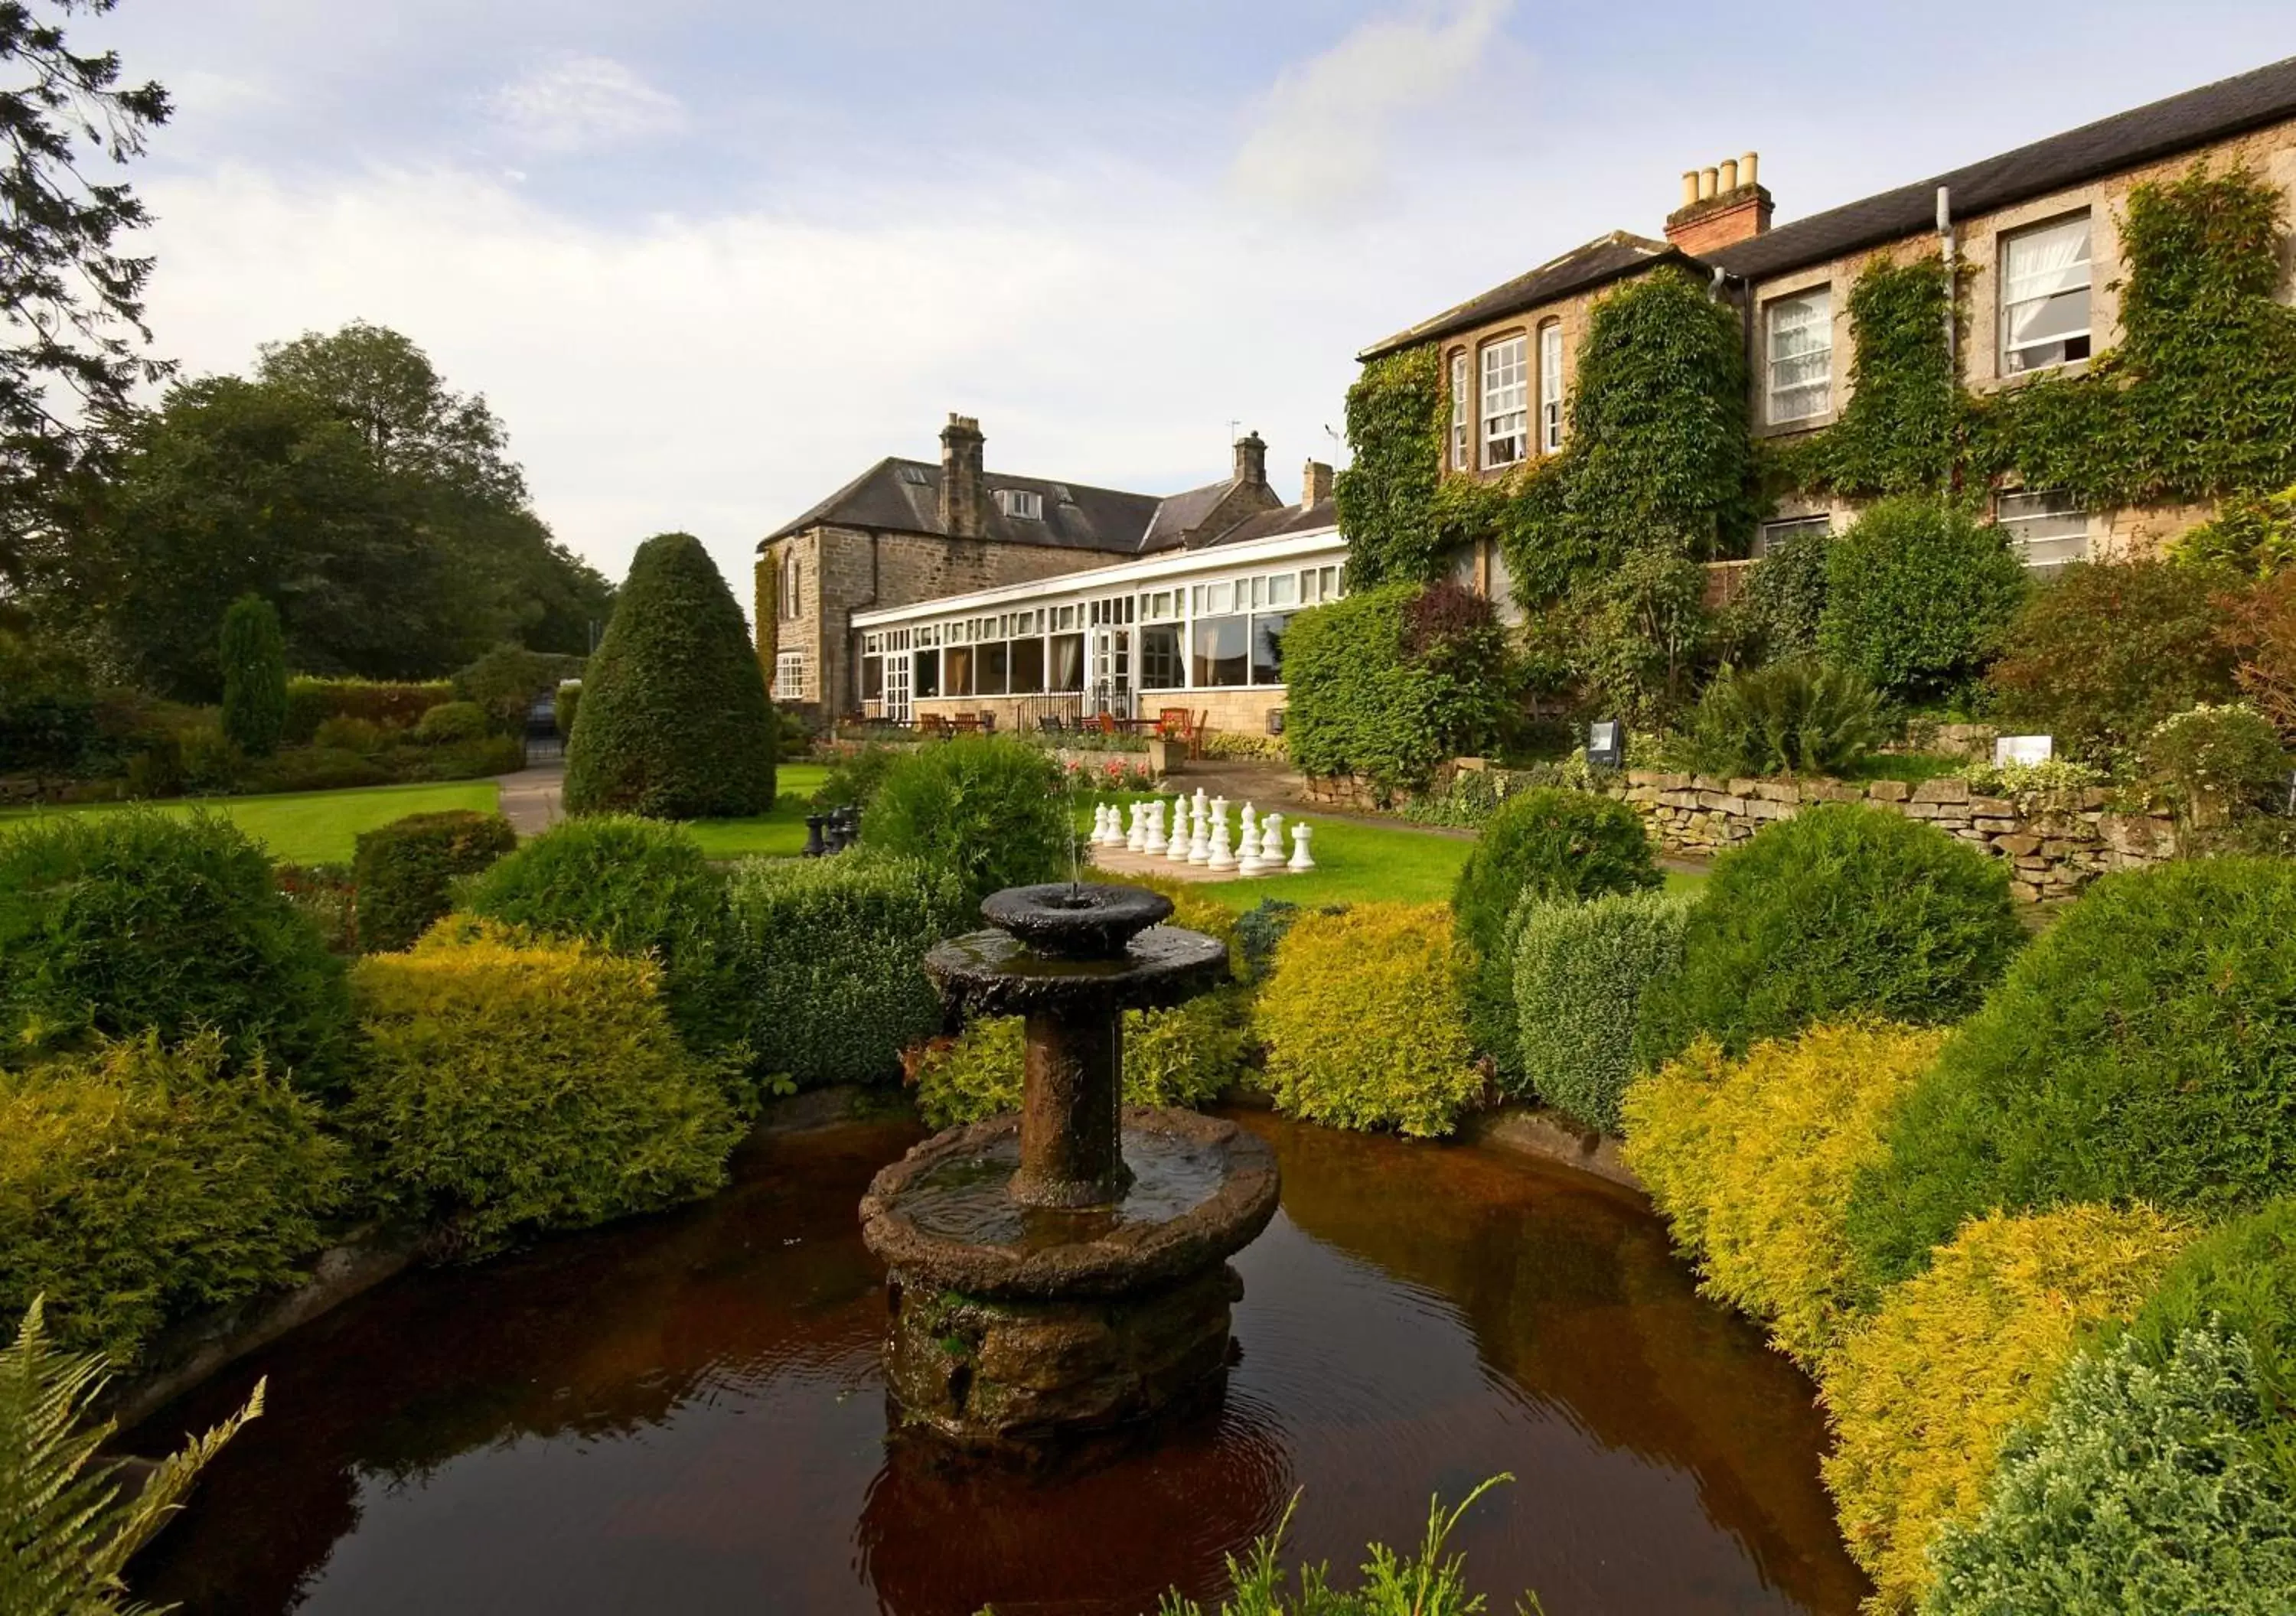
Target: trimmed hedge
[[831, 961], [1752, 1161], [1918, 597], [1581, 971], [1364, 1022], [516, 1085], [1842, 911], [989, 808], [311, 701], [2142, 1048], [637, 886], [1957, 1358], [1187, 1054], [113, 925], [451, 722], [404, 871], [141, 1182], [2137, 1492], [673, 721]]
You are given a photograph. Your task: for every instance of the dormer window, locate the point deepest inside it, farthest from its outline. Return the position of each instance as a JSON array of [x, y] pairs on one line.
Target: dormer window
[[1020, 504]]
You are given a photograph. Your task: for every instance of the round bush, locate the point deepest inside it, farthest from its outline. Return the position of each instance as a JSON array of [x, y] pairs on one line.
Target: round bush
[[142, 1182], [1580, 973], [1842, 911], [121, 924], [2138, 1492], [2142, 1049], [515, 1085], [1753, 1163], [1546, 843], [636, 886], [1957, 1358], [832, 954], [450, 722], [404, 871], [989, 809], [673, 721], [1918, 597], [1364, 1021]]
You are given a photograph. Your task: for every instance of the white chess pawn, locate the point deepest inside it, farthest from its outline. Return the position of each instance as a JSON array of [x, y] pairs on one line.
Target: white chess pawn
[[1246, 859], [1271, 841], [1299, 859], [1250, 821], [1223, 856], [1152, 827], [1177, 848], [1200, 837], [1099, 825], [1137, 831], [1115, 826]]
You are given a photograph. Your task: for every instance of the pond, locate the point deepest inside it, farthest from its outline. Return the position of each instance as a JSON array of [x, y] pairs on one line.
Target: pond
[[685, 1414]]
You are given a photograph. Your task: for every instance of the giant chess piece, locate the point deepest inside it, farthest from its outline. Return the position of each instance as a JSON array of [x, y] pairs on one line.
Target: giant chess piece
[[1136, 833], [1222, 855], [1176, 849], [1247, 862], [1200, 837], [1271, 842], [1299, 859]]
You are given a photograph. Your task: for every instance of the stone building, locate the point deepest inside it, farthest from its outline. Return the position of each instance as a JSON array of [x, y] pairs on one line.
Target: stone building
[[907, 531], [2036, 232]]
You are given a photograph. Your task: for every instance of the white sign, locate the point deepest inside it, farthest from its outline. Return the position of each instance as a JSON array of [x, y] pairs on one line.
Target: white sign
[[2022, 749]]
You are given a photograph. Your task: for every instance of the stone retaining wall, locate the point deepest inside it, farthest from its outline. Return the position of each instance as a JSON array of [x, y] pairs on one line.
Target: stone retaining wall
[[2054, 849]]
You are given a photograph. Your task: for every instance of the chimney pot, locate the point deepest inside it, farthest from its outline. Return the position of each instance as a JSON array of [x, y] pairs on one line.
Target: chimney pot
[[1748, 173], [1315, 485], [1689, 186], [1706, 184], [1252, 461], [1728, 176], [963, 493]]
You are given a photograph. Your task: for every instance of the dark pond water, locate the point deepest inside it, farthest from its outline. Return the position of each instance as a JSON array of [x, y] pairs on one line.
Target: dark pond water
[[685, 1416]]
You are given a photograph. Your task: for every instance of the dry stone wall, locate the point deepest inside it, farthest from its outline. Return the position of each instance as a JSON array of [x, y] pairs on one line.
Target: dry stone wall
[[2053, 848]]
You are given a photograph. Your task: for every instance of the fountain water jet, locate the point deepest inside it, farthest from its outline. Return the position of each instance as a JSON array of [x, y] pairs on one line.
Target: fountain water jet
[[1064, 1271]]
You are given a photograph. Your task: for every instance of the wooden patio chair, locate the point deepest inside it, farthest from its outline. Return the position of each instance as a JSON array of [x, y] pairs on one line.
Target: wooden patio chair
[[987, 721], [966, 724], [1052, 723], [931, 725], [1108, 724]]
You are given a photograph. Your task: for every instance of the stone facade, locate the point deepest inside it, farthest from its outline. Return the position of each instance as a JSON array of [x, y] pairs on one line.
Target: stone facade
[[2054, 849], [1241, 712]]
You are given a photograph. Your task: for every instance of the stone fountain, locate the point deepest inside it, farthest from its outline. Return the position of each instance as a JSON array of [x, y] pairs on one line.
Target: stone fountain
[[1064, 1271]]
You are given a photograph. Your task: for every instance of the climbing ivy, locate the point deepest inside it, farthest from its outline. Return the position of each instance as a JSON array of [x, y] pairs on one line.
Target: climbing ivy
[[1397, 413], [1900, 431]]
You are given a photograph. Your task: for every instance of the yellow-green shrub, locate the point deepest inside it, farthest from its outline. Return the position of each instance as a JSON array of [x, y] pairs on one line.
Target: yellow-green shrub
[[1187, 1054], [141, 1182], [1752, 1161], [1923, 1397], [516, 1083], [1365, 1020]]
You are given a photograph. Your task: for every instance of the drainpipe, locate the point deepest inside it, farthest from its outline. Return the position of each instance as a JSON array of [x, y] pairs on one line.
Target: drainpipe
[[1946, 245]]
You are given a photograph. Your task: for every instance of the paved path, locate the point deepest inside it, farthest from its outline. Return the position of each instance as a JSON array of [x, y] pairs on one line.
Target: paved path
[[530, 797]]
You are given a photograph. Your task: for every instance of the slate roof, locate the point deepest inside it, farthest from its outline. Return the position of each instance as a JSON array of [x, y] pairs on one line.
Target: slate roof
[[2111, 145], [1276, 524], [904, 495], [1606, 258], [1176, 513]]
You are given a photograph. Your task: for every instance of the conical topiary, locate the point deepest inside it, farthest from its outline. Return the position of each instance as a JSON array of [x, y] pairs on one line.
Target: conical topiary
[[673, 723]]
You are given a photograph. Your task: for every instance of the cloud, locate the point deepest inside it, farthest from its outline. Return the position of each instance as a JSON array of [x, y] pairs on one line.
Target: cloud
[[1320, 143], [581, 103]]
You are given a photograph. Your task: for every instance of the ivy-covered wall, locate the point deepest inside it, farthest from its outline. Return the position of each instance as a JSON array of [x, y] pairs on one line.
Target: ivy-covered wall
[[1386, 499]]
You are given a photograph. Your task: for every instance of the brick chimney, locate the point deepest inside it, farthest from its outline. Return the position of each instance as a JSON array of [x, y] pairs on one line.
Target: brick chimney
[[1316, 486], [1252, 461], [962, 494], [1721, 205]]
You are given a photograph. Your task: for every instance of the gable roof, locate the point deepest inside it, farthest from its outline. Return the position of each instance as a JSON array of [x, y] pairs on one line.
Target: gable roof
[[2109, 145], [904, 496], [1178, 514], [1605, 259]]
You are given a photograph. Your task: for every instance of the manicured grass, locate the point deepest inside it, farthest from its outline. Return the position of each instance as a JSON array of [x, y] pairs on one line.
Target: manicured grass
[[778, 834], [309, 826]]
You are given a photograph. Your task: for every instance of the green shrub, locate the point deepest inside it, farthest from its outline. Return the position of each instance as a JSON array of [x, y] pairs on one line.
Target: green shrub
[[673, 721], [508, 681], [987, 808], [516, 1085], [311, 701], [2250, 535], [1188, 1055], [253, 653], [1918, 597], [831, 961], [1789, 718], [2240, 1278], [360, 735], [1958, 1358], [1580, 971], [2135, 1492], [2104, 651], [636, 886], [2142, 1048], [122, 922], [404, 871], [326, 896], [1258, 931], [854, 777], [1842, 911], [1364, 1021], [139, 1182], [564, 706], [1775, 616], [452, 721], [1549, 843], [304, 769], [1752, 1164], [2215, 764]]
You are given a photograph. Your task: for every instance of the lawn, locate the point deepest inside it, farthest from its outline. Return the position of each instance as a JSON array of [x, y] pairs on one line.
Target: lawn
[[309, 826], [778, 834]]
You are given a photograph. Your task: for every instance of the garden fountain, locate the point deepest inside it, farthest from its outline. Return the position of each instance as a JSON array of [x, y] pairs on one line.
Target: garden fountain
[[1064, 1271]]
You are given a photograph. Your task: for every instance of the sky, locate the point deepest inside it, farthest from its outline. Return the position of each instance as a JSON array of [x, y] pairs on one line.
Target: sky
[[709, 260]]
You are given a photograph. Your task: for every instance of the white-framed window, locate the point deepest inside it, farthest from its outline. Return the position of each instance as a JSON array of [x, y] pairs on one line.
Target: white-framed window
[[1459, 411], [1021, 504], [2044, 292], [789, 676], [1799, 340], [1506, 402], [2049, 525], [1550, 387], [1771, 537]]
